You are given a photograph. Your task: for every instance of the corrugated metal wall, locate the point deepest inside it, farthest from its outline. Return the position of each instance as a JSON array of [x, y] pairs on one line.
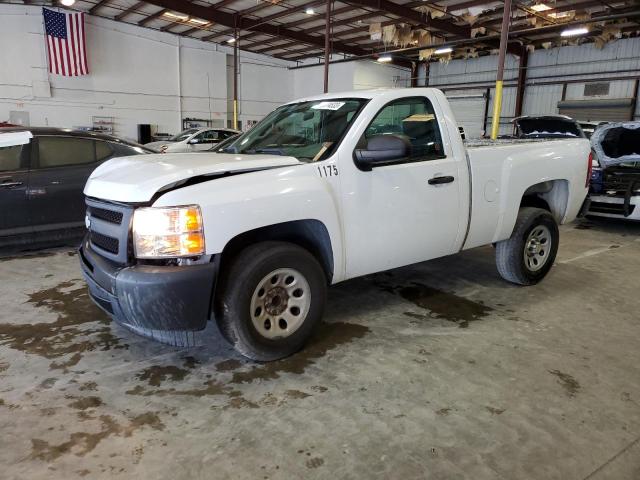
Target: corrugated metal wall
[[547, 71]]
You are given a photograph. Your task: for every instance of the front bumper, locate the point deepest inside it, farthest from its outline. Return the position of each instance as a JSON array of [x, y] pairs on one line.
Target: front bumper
[[170, 304]]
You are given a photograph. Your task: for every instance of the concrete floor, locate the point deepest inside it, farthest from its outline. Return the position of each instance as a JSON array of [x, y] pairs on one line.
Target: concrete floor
[[439, 370]]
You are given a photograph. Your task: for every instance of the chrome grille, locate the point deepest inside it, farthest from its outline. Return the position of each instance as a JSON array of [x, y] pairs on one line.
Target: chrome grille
[[619, 185]]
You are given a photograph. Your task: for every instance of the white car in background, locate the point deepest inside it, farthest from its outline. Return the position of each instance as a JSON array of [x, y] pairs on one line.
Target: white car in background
[[193, 140]]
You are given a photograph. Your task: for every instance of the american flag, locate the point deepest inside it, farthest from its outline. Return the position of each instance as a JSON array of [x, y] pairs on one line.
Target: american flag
[[64, 34]]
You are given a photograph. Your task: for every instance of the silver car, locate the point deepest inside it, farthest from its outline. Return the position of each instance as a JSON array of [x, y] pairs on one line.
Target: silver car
[[193, 140]]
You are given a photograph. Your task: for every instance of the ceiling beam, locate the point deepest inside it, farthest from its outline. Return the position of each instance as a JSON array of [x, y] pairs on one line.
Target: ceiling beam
[[224, 3], [276, 16], [129, 11], [152, 17], [194, 30], [464, 5], [160, 13], [248, 11], [98, 6], [496, 18], [411, 15], [304, 56], [169, 26], [265, 49], [632, 13], [338, 23], [234, 21]]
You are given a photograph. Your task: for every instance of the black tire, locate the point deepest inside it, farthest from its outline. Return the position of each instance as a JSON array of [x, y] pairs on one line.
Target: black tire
[[239, 282], [511, 259]]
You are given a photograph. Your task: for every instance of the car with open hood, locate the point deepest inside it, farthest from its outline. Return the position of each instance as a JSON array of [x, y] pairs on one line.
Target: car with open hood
[[546, 126], [615, 179]]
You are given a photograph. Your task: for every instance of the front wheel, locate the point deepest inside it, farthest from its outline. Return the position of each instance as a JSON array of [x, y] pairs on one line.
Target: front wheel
[[272, 296], [527, 256]]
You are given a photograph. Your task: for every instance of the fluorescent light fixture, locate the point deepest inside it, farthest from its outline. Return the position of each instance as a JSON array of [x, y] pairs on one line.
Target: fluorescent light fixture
[[442, 51], [197, 21], [540, 7], [560, 14], [231, 40], [309, 11], [385, 58], [184, 18], [572, 32], [67, 3]]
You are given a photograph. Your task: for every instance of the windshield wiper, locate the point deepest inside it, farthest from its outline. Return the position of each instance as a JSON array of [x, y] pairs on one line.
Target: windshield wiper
[[271, 151]]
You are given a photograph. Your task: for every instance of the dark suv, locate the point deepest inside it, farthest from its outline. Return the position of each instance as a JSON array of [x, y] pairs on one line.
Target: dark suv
[[41, 182]]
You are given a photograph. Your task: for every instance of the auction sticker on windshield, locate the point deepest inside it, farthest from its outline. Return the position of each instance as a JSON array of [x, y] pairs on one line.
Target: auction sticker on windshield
[[328, 106]]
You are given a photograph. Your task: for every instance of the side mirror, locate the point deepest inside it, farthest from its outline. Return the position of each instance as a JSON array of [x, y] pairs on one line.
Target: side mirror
[[193, 141], [382, 150]]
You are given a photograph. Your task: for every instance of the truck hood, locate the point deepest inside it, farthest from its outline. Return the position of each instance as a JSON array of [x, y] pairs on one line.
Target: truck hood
[[616, 143], [138, 178]]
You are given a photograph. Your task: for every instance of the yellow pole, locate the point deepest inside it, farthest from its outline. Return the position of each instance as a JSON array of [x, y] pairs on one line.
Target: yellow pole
[[235, 114], [504, 39], [497, 108], [236, 48]]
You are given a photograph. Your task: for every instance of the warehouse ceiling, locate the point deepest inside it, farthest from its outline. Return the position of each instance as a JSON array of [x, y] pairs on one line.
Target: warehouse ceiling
[[294, 29]]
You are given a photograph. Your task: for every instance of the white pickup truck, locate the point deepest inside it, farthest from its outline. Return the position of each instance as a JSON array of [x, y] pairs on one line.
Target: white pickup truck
[[322, 190]]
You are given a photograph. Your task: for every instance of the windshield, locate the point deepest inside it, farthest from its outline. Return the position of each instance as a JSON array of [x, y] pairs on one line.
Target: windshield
[[221, 147], [549, 127], [183, 135], [307, 130]]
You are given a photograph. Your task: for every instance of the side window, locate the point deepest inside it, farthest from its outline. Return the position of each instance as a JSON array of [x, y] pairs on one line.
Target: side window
[[10, 158], [60, 151], [223, 135], [210, 136], [413, 118], [103, 150]]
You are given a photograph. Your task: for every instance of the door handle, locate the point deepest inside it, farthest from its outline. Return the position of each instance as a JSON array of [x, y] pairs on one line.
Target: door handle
[[10, 184], [441, 180]]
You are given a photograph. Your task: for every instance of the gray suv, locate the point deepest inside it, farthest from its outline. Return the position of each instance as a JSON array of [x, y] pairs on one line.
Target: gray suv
[[41, 182]]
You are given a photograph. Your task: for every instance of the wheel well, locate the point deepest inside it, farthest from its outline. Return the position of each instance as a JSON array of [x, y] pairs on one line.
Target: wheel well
[[311, 235], [533, 200], [552, 195]]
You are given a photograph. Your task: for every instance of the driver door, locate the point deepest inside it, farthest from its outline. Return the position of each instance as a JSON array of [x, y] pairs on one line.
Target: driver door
[[408, 210]]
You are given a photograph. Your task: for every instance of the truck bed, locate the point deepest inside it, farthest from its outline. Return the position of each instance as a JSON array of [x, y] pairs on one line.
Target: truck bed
[[502, 170], [487, 142]]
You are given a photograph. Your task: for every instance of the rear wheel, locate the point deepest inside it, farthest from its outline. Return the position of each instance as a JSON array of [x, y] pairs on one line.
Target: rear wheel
[[527, 256], [272, 296]]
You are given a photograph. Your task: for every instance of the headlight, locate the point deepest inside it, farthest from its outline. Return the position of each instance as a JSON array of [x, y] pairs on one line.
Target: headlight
[[168, 232]]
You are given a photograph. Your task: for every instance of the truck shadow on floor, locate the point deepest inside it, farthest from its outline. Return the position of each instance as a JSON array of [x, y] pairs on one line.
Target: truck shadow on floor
[[623, 228], [403, 297]]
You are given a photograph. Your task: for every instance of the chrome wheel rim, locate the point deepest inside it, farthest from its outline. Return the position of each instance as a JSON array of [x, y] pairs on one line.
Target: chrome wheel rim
[[280, 303], [537, 248]]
